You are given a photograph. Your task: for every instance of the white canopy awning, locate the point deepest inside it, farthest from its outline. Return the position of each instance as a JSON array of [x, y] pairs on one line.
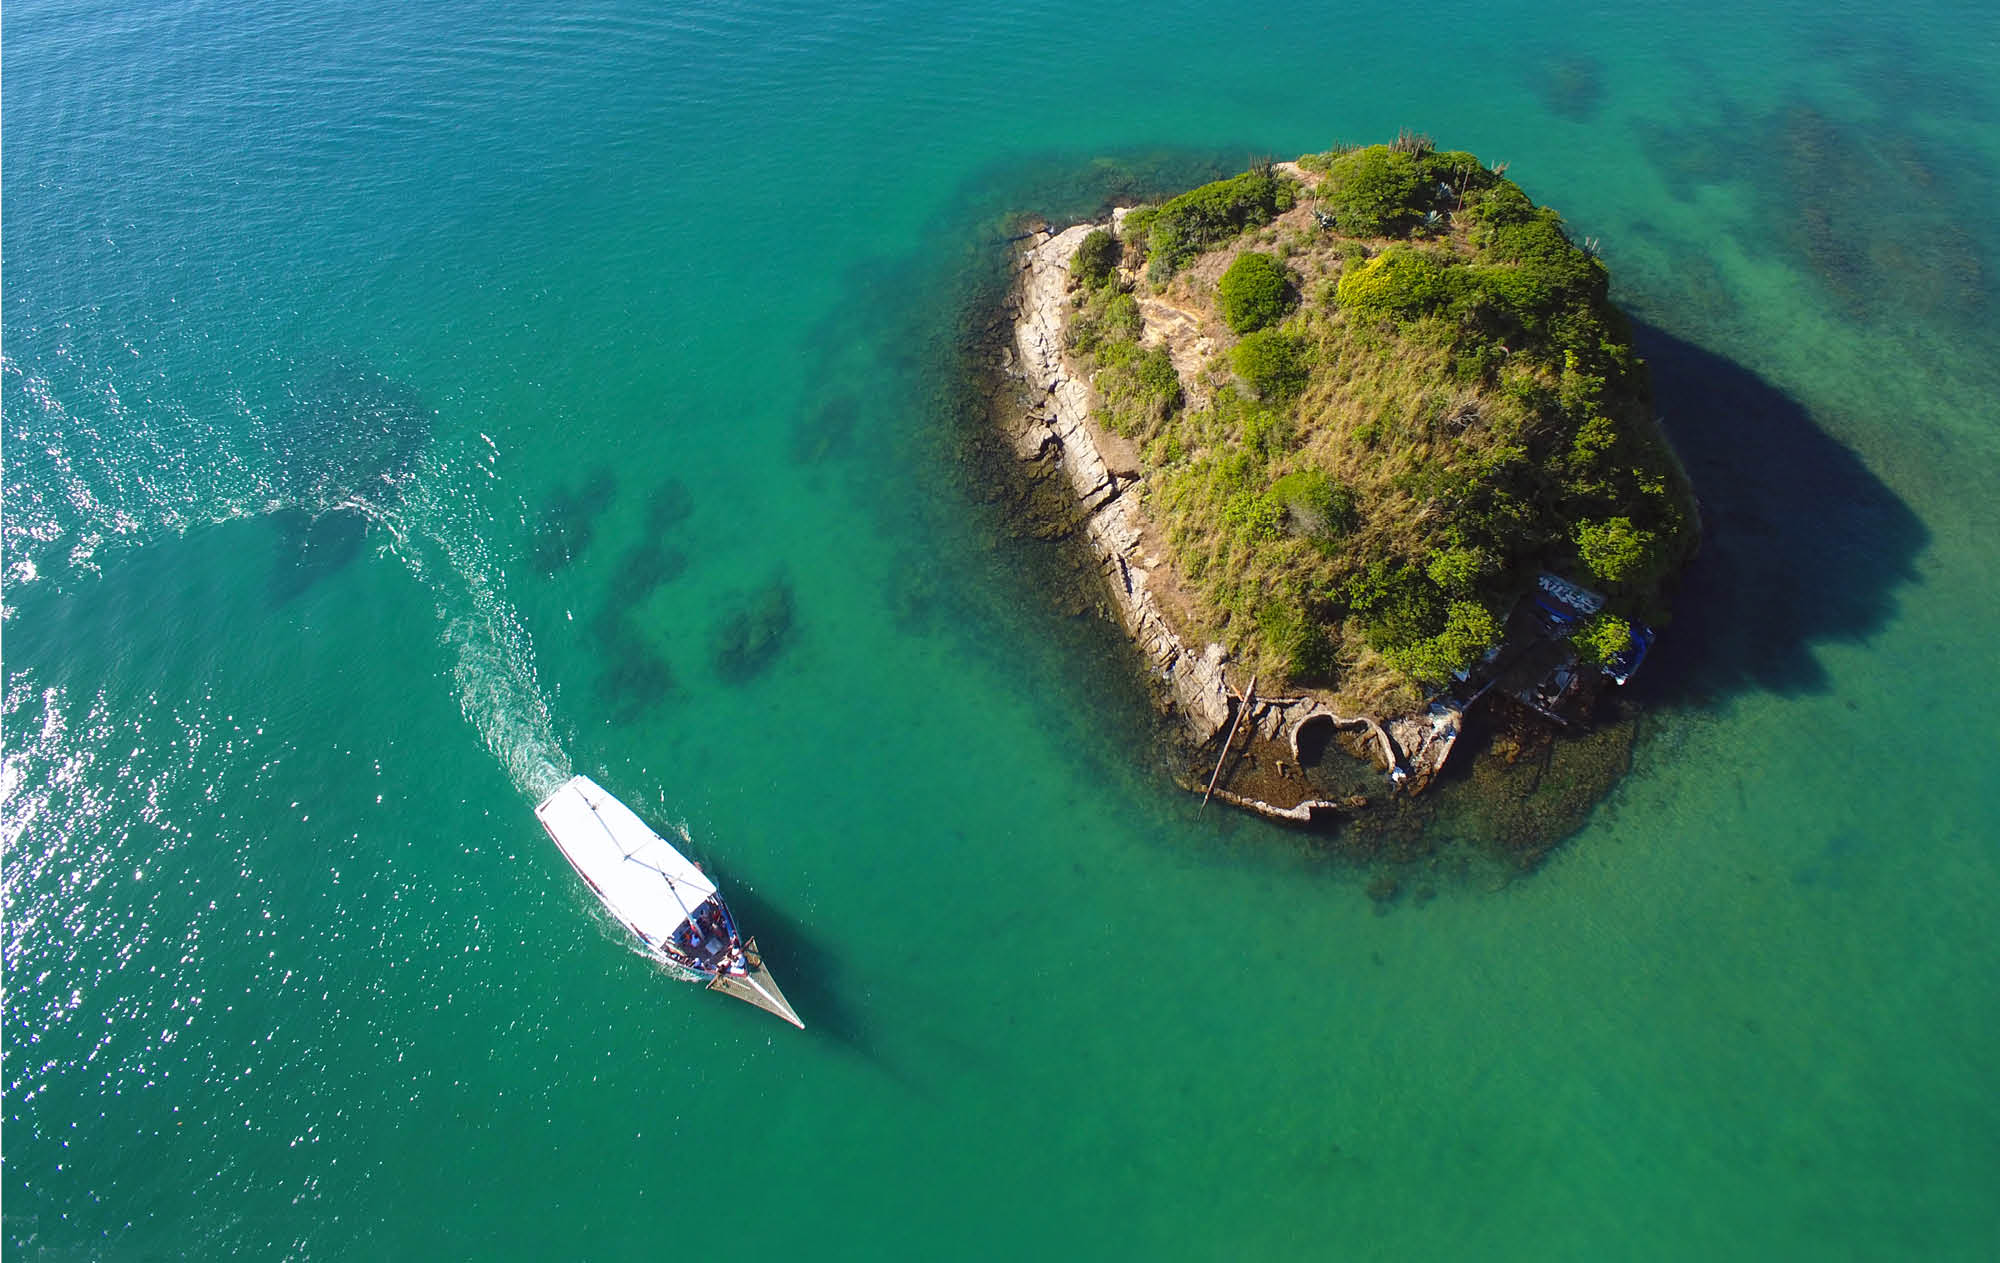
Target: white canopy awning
[[645, 882]]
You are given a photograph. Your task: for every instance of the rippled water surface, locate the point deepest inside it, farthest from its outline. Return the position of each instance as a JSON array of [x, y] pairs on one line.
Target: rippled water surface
[[407, 405]]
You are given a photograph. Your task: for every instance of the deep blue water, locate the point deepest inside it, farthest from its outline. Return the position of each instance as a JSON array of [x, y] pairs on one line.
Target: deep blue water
[[400, 402]]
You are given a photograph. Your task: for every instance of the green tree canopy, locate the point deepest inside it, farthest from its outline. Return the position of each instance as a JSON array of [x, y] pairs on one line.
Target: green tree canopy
[[1615, 550]]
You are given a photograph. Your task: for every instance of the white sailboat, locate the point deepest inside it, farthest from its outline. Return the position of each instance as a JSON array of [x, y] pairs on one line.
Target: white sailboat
[[659, 894]]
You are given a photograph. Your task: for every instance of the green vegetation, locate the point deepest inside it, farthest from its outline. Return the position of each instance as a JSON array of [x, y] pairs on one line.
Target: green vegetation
[[1137, 386], [1254, 292], [1095, 258], [1201, 219], [1360, 482], [1615, 550], [1277, 365], [1601, 639], [1469, 630]]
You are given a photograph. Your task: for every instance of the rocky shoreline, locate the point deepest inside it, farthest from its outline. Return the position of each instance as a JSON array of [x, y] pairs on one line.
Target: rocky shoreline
[[1265, 768]]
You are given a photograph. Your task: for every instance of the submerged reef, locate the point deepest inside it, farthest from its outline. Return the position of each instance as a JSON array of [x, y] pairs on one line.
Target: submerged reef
[[753, 635], [567, 523], [635, 675]]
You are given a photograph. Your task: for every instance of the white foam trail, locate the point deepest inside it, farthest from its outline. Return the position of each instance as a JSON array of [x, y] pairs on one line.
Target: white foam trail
[[111, 459], [439, 530]]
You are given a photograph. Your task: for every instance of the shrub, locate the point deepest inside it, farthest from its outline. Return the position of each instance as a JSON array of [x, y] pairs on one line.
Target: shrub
[[1208, 216], [1265, 431], [1398, 603], [1615, 550], [1528, 272], [1469, 631], [1139, 386], [1459, 569], [1138, 225], [1503, 203], [1253, 516], [1375, 192], [1121, 317], [1254, 292], [1274, 363], [1399, 284], [1316, 506], [1095, 259], [1603, 637], [1107, 318]]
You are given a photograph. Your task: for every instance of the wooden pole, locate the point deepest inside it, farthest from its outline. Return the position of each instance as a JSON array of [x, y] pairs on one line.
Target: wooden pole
[[1246, 699]]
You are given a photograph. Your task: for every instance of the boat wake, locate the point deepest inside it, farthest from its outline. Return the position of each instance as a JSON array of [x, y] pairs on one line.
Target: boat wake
[[110, 458], [438, 528]]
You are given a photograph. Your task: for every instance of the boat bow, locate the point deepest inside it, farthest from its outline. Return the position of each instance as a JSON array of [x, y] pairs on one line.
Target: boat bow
[[756, 986]]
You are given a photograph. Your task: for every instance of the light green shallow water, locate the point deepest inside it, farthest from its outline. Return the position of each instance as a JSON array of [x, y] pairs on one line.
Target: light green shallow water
[[291, 970]]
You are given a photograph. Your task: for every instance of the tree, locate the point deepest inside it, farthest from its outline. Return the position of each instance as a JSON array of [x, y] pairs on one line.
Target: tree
[[1615, 550], [1602, 638]]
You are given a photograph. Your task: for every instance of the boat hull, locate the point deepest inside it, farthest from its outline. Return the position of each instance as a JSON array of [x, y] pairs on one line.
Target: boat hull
[[657, 893]]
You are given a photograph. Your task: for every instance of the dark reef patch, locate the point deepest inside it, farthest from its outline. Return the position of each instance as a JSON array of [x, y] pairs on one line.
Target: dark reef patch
[[352, 436], [633, 675], [645, 567], [828, 431], [1871, 211], [1692, 285], [1571, 86], [347, 447], [1833, 866], [753, 635], [667, 506], [312, 548], [565, 526]]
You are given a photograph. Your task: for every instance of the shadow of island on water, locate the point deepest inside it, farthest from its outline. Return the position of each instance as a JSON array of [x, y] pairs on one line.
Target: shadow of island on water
[[1802, 544]]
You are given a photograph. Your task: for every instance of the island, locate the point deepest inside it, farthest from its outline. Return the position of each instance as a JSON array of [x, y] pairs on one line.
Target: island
[[1358, 444]]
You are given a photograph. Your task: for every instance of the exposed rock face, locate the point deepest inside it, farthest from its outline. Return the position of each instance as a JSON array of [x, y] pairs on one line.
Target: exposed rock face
[[1057, 426]]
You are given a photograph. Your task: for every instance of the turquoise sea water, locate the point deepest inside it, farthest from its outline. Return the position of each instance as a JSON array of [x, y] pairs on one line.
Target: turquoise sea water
[[615, 322]]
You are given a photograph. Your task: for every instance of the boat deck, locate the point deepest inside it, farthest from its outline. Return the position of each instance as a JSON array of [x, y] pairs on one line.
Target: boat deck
[[705, 941]]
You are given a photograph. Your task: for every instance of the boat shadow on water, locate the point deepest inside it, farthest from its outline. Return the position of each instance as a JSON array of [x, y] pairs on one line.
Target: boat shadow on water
[[815, 978]]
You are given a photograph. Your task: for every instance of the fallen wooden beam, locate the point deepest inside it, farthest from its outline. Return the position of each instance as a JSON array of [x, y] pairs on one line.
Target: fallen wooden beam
[[1246, 698]]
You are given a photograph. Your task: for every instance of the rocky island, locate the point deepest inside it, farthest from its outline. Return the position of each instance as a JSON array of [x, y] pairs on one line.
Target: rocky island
[[1358, 444]]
